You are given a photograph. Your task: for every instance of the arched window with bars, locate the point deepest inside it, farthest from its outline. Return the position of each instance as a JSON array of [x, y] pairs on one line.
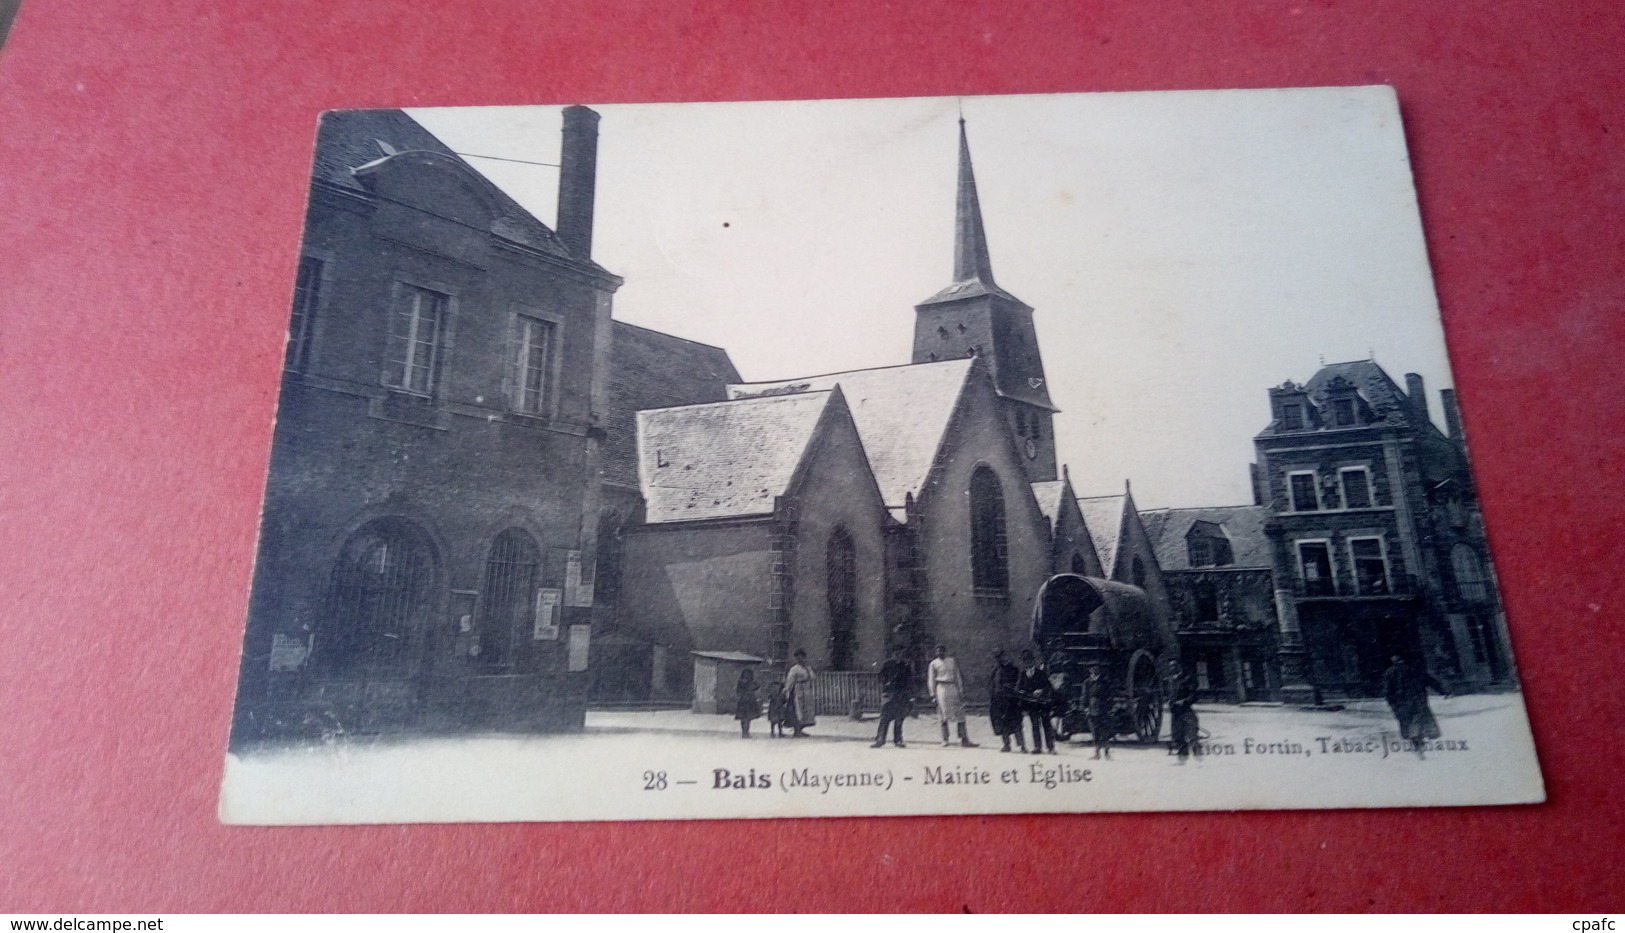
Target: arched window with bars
[[989, 560], [513, 572]]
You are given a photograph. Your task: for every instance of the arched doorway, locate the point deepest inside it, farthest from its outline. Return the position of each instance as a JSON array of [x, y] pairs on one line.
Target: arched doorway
[[380, 603]]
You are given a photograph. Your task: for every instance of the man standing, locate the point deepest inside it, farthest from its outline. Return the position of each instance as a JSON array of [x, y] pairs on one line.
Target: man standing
[[1004, 706], [894, 701], [1098, 706], [1038, 701], [1186, 730], [1406, 690], [948, 689]]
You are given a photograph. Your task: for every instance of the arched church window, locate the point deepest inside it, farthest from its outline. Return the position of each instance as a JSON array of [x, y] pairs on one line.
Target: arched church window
[[990, 567], [508, 600], [379, 600], [841, 584], [1137, 572], [1078, 566]]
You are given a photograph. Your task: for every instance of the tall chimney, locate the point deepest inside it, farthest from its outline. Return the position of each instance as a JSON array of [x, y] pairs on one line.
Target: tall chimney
[[578, 180], [1419, 396], [1452, 414]]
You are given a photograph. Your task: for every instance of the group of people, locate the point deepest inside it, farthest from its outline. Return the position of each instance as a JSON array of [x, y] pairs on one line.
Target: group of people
[[1019, 694], [1023, 693], [789, 704]]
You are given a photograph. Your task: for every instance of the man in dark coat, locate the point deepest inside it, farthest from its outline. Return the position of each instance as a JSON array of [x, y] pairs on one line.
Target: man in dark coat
[[1004, 706], [1406, 688], [1037, 701], [1098, 706], [1184, 728], [894, 699]]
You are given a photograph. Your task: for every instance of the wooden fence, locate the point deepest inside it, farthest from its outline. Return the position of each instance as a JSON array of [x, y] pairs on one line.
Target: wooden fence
[[834, 691]]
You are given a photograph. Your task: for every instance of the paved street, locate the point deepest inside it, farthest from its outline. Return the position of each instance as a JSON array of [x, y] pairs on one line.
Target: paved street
[[677, 764]]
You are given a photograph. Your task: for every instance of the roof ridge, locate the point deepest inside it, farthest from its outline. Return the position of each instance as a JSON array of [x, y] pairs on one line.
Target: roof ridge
[[748, 398], [851, 372], [662, 333]]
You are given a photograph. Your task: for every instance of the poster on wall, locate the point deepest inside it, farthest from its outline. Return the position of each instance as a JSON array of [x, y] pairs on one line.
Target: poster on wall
[[1053, 453]]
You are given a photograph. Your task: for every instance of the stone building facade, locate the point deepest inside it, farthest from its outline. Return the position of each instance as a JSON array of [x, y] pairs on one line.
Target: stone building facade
[[1376, 540], [1221, 585], [426, 548]]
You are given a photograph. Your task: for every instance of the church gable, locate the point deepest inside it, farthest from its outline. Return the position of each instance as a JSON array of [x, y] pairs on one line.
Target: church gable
[[901, 412], [726, 459], [1073, 549]]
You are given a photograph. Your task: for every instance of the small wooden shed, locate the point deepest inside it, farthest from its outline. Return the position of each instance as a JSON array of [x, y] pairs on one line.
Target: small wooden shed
[[716, 679]]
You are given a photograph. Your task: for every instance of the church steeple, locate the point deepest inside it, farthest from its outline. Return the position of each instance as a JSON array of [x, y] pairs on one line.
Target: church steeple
[[971, 262], [973, 316]]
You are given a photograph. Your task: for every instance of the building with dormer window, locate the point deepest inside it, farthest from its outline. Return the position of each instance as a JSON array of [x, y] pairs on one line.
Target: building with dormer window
[[1375, 539]]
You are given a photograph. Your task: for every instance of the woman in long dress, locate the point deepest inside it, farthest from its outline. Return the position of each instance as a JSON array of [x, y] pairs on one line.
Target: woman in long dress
[[798, 698]]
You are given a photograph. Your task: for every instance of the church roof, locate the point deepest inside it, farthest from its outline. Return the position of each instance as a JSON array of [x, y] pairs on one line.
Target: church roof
[[349, 139], [725, 459], [1242, 524], [649, 369], [1103, 517], [1049, 499], [901, 412]]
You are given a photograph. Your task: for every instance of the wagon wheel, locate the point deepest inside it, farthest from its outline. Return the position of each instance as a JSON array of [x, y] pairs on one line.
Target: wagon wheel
[[1145, 696]]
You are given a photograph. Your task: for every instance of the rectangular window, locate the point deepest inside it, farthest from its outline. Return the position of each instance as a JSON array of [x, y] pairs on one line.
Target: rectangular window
[[1370, 566], [1356, 487], [1315, 568], [1305, 494], [533, 348], [414, 340], [1343, 411], [1292, 417], [307, 294]]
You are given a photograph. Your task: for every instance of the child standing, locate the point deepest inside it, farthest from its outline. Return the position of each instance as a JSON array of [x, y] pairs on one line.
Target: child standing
[[775, 710], [746, 704]]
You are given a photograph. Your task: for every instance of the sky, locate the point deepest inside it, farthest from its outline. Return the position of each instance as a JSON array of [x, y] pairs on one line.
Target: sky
[[1183, 251]]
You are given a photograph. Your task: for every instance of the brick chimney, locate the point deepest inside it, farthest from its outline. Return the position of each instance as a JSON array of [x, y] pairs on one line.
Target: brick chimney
[[578, 180], [1452, 414], [1419, 396]]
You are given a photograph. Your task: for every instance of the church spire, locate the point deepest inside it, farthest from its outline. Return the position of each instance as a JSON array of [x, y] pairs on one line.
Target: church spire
[[971, 262]]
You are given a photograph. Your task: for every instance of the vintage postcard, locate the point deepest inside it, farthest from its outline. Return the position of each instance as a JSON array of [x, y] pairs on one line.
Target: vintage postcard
[[840, 458]]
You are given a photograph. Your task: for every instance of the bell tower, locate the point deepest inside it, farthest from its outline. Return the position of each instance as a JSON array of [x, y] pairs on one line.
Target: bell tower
[[973, 316]]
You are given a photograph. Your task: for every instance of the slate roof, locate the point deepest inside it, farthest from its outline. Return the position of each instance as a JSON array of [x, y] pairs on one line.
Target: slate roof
[[1242, 524], [1103, 517], [901, 412], [1367, 376], [1049, 499], [725, 459], [349, 139], [649, 369]]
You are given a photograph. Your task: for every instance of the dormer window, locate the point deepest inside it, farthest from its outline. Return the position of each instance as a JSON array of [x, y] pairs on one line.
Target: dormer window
[[1343, 411], [1292, 417], [1207, 546]]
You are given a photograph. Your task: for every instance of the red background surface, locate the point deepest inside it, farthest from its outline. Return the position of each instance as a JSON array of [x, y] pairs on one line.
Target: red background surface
[[153, 164]]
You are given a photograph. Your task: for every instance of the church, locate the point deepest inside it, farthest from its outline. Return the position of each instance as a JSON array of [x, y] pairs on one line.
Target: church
[[847, 514]]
